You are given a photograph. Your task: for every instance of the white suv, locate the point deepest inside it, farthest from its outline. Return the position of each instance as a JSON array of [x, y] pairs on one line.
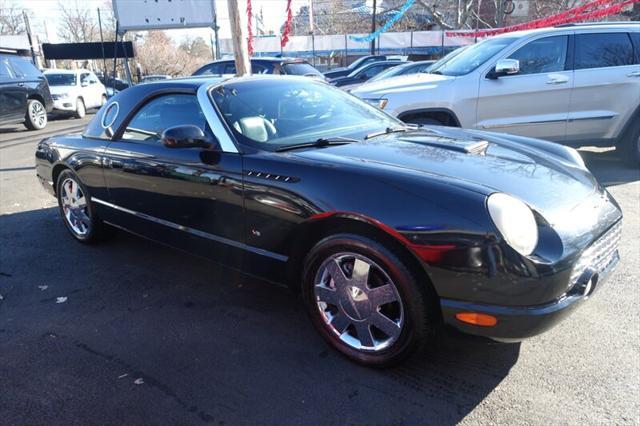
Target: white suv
[[574, 84], [75, 91]]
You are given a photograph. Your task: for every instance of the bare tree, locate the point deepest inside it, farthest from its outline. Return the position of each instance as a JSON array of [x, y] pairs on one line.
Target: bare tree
[[78, 24], [158, 55], [11, 20]]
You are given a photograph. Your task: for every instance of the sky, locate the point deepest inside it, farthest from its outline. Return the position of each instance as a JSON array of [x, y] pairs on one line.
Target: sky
[[274, 12]]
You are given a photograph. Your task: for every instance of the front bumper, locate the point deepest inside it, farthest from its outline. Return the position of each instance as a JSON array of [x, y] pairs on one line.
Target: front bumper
[[519, 322], [64, 105]]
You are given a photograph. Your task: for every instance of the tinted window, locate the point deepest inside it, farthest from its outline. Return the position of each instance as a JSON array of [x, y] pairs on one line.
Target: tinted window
[[84, 78], [543, 55], [5, 70], [603, 50], [259, 69], [65, 79], [209, 69], [228, 68], [300, 68], [636, 42], [24, 67], [164, 112]]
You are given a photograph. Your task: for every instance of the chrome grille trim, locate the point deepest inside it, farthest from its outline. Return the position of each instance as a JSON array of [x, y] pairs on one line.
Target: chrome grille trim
[[598, 255]]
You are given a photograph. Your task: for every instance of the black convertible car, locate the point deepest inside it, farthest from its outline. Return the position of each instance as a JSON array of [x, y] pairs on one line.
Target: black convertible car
[[389, 231]]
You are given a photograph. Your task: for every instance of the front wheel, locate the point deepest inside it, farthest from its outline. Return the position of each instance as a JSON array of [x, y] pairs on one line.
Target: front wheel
[[36, 116], [365, 302], [629, 147], [103, 100], [80, 108]]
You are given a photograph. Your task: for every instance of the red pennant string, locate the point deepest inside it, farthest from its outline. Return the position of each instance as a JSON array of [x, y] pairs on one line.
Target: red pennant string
[[249, 29], [585, 12], [287, 26]]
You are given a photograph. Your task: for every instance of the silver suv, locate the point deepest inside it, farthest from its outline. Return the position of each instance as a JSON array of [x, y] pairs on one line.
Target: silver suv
[[575, 84]]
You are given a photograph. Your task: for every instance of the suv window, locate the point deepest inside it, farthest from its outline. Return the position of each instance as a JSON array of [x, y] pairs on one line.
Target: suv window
[[542, 55], [635, 37], [163, 112], [603, 50], [24, 68], [228, 68], [84, 78], [5, 70]]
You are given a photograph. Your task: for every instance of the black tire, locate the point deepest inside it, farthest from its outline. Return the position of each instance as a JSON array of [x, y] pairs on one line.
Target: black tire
[[36, 116], [628, 148], [103, 100], [81, 110], [97, 230], [418, 303]]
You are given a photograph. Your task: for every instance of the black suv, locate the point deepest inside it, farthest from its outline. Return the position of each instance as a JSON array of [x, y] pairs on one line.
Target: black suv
[[263, 66], [24, 93]]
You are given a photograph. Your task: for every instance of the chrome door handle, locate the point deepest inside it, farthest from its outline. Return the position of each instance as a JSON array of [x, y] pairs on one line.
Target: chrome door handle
[[634, 74], [557, 81]]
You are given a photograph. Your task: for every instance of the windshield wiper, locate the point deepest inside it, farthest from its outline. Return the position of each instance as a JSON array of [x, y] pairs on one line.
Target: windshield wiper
[[318, 143], [436, 72], [388, 130]]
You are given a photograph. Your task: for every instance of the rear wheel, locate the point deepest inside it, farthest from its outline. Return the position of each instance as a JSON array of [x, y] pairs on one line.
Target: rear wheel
[[365, 301], [80, 108], [77, 211], [36, 115]]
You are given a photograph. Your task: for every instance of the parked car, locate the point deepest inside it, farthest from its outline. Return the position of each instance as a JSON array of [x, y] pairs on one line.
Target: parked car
[[388, 230], [75, 91], [403, 69], [363, 74], [343, 71], [286, 66], [150, 78], [113, 85], [24, 93], [577, 84]]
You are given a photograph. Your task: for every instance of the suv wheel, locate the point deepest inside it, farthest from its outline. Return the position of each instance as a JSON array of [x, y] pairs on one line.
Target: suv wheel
[[629, 146], [80, 109], [365, 302], [36, 116]]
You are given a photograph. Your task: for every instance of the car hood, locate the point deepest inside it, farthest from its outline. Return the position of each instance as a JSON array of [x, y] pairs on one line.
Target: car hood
[[402, 83], [549, 183], [57, 90]]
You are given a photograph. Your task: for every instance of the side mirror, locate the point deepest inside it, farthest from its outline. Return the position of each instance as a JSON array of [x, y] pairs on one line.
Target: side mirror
[[506, 67], [185, 136]]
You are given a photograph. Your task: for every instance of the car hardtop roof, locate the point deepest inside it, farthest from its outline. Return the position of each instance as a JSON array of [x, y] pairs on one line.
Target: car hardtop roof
[[196, 81], [64, 71], [632, 25]]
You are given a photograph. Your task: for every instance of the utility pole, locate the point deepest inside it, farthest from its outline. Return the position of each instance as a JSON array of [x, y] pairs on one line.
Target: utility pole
[[215, 32], [27, 25], [239, 38], [104, 58], [373, 28]]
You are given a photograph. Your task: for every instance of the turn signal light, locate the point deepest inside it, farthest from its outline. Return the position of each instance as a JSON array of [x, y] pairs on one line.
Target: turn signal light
[[474, 318]]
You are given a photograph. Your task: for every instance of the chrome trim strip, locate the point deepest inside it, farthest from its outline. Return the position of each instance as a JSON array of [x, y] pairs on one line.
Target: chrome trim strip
[[600, 117], [195, 232], [214, 121], [526, 123]]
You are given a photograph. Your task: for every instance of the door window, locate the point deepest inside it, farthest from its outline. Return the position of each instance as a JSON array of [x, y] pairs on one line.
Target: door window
[[603, 50], [372, 71], [84, 79], [24, 68], [163, 112], [5, 71], [544, 55], [229, 68]]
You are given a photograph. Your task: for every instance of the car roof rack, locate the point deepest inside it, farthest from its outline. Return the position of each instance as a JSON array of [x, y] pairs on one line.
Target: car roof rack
[[595, 24]]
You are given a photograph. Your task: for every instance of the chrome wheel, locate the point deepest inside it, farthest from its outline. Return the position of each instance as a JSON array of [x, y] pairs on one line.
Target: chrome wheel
[[358, 302], [38, 114], [74, 207]]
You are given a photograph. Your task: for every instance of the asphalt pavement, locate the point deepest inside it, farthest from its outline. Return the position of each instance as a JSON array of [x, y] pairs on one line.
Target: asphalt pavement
[[131, 332]]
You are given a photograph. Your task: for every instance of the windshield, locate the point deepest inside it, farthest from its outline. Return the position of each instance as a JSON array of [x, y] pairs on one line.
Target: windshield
[[300, 68], [61, 79], [471, 57], [270, 114]]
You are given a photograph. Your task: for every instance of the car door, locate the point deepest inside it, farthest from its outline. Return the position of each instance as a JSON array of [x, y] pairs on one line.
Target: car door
[[535, 101], [607, 86], [190, 198], [13, 92], [86, 90]]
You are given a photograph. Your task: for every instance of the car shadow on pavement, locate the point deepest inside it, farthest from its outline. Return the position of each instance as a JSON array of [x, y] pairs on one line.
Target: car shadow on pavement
[[131, 331], [608, 168]]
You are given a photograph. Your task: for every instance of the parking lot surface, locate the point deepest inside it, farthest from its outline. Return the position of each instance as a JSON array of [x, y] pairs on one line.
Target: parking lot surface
[[134, 332]]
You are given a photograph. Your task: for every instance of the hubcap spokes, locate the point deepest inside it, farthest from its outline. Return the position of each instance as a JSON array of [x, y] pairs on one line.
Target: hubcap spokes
[[38, 113], [359, 302], [74, 206]]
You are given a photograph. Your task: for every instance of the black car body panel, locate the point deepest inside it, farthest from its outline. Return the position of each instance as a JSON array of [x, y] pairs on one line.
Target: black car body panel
[[342, 71], [424, 190], [365, 72], [285, 66], [20, 81]]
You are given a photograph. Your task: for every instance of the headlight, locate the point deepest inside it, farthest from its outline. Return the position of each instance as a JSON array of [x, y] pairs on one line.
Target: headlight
[[379, 103], [515, 221], [63, 95]]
